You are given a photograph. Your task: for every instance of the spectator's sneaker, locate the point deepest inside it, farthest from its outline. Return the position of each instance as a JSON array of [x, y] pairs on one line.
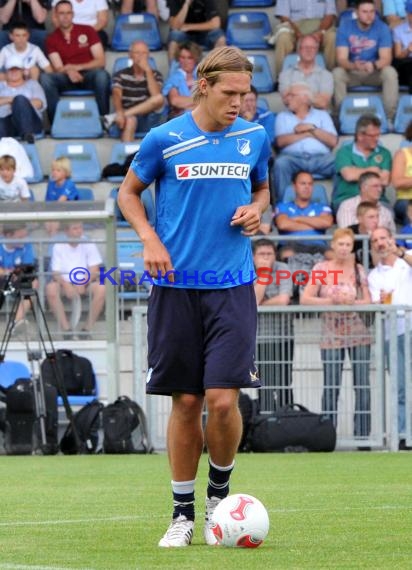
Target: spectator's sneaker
[[208, 534], [108, 120], [179, 533]]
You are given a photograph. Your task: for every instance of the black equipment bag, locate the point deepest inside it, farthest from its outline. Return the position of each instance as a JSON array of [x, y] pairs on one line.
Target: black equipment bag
[[249, 409], [88, 422], [22, 427], [292, 428], [125, 428], [76, 372]]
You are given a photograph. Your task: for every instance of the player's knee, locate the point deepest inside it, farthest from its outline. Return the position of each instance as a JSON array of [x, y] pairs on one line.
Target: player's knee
[[188, 407], [221, 403]]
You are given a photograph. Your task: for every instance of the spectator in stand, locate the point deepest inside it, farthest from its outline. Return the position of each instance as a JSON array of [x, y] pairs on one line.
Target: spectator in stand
[[305, 138], [300, 18], [158, 8], [303, 217], [179, 84], [306, 70], [345, 283], [370, 190], [194, 20], [367, 214], [402, 48], [78, 60], [94, 13], [12, 187], [390, 282], [34, 13], [275, 340], [401, 177], [364, 56], [33, 59], [365, 154], [407, 229], [60, 186], [137, 96], [394, 12], [65, 256], [14, 253], [22, 103], [250, 111]]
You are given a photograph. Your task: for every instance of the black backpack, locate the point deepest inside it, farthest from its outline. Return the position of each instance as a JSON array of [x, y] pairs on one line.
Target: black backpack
[[125, 428], [249, 409], [87, 421], [76, 372]]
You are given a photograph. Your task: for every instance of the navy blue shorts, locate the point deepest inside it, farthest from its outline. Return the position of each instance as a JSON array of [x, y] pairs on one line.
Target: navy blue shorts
[[200, 339]]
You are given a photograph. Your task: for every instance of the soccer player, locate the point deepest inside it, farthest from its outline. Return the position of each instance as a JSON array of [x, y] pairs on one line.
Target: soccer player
[[210, 168]]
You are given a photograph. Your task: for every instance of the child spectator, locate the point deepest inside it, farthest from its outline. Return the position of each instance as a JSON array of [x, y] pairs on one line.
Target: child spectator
[[407, 229], [32, 57], [12, 187], [61, 187]]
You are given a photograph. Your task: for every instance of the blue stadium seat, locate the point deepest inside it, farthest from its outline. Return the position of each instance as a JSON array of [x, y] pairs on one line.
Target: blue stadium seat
[[84, 160], [353, 106], [31, 151], [263, 104], [130, 258], [125, 61], [252, 3], [291, 59], [10, 370], [86, 194], [262, 75], [76, 118], [132, 27], [403, 114], [319, 195], [120, 151], [148, 203], [247, 30]]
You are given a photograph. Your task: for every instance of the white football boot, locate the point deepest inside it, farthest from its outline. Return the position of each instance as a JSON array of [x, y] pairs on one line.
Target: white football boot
[[179, 533]]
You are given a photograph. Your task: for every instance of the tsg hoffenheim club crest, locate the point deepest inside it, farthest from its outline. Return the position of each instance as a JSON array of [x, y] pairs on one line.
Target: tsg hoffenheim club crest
[[243, 146]]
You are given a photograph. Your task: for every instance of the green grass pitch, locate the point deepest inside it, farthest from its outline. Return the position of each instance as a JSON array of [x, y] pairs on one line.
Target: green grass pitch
[[331, 511]]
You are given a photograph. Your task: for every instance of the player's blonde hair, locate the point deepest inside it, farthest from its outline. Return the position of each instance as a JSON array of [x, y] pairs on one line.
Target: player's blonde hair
[[64, 163], [226, 59]]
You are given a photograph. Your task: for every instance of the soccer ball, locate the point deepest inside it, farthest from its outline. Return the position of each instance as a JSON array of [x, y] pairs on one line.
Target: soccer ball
[[240, 520]]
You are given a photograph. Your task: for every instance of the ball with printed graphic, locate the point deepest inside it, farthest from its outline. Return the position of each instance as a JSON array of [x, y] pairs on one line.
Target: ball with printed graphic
[[240, 520]]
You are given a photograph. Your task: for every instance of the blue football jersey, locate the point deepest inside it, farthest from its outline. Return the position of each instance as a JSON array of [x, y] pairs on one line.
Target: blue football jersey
[[201, 179]]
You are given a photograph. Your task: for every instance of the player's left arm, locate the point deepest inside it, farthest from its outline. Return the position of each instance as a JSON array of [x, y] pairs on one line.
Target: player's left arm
[[249, 215]]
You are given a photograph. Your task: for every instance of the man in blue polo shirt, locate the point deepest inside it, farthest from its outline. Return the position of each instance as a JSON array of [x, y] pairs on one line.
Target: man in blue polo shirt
[[364, 56], [210, 168], [303, 217]]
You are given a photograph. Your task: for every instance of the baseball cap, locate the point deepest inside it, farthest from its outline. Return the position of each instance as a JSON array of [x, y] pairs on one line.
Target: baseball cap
[[14, 61], [408, 6]]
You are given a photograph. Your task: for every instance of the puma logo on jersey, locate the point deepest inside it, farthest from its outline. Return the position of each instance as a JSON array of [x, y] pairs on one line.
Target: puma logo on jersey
[[179, 136], [212, 170]]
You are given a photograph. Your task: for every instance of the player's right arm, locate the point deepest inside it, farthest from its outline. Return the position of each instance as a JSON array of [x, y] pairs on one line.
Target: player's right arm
[[155, 256]]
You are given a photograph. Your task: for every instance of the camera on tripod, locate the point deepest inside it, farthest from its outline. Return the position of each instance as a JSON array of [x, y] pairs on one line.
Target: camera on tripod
[[21, 278]]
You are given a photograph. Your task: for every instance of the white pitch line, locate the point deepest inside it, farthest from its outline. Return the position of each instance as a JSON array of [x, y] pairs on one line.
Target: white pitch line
[[31, 567], [141, 517]]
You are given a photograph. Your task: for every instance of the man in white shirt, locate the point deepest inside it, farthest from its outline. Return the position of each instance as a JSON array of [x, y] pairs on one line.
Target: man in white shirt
[[370, 190], [390, 282], [86, 259]]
